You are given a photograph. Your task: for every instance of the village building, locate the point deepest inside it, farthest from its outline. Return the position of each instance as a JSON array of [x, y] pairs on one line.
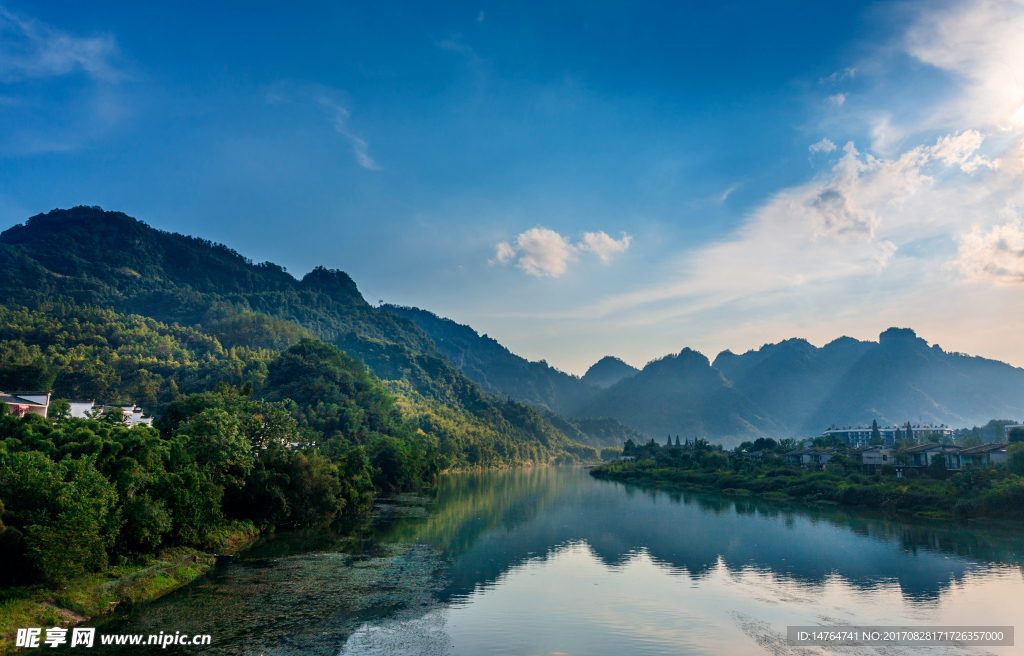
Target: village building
[[984, 455], [869, 458], [921, 455], [810, 456], [22, 403], [799, 456]]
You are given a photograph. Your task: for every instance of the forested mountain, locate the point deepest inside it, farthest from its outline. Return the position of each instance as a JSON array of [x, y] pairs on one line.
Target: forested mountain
[[60, 264], [607, 371], [498, 370]]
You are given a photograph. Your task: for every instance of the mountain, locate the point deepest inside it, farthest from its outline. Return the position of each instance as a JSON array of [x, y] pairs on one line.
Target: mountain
[[682, 395], [607, 371], [900, 378], [88, 257], [790, 380], [496, 369]]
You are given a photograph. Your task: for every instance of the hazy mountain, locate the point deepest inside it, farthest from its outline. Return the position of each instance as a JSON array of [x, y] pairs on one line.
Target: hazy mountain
[[790, 380], [681, 395], [607, 371], [900, 378], [498, 370]]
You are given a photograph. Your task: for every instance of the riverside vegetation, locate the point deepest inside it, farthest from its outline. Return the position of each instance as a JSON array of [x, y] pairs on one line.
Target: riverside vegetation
[[280, 429], [995, 492], [309, 437]]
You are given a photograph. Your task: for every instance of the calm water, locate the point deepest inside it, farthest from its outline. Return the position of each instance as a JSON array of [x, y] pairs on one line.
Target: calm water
[[551, 561]]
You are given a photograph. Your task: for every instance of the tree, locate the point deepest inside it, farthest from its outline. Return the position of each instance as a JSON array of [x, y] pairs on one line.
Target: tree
[[876, 435], [1016, 461], [974, 438], [910, 433], [669, 443], [937, 468]]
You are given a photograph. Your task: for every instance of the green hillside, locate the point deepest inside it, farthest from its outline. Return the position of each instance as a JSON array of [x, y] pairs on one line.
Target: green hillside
[[498, 370], [88, 257]]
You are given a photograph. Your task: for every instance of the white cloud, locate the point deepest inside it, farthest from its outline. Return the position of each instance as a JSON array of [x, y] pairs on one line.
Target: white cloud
[[504, 252], [823, 146], [837, 100], [544, 252], [30, 50], [995, 255], [604, 246], [359, 146], [957, 150]]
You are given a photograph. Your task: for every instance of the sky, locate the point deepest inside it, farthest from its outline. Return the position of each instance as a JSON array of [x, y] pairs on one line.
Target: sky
[[573, 179]]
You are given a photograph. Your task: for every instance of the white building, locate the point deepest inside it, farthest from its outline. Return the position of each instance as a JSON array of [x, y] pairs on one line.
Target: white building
[[861, 435], [22, 403], [133, 414]]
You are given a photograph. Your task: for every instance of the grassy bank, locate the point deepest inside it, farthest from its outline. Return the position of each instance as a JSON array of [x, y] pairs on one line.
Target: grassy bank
[[94, 595], [988, 493]]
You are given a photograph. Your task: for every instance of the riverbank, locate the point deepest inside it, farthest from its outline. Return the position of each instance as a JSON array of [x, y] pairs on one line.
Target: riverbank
[[982, 494], [119, 588]]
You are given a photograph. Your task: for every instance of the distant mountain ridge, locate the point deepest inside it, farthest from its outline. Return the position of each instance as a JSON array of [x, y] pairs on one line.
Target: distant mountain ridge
[[788, 389]]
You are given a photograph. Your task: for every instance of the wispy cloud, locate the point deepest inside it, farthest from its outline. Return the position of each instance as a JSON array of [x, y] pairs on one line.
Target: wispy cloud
[[360, 148], [542, 252], [838, 76], [30, 49], [724, 196], [837, 99]]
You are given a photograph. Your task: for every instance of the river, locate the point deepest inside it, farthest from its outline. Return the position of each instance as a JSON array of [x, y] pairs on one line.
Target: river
[[552, 561]]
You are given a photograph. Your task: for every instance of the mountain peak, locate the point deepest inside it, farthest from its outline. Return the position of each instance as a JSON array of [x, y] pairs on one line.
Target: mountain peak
[[607, 371], [896, 335], [336, 284]]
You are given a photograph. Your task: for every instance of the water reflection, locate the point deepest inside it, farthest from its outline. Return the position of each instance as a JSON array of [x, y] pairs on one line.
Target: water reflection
[[692, 533], [523, 561]]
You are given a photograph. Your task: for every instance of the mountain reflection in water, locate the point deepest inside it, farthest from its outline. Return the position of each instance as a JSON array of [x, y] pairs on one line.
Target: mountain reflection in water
[[550, 560]]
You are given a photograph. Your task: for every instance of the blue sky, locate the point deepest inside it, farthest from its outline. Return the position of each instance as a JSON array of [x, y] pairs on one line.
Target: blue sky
[[575, 180]]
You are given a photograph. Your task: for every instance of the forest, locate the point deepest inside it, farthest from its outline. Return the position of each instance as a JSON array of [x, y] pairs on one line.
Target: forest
[[246, 437]]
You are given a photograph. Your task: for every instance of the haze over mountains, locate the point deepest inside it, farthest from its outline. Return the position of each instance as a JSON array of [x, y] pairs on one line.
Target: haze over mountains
[[788, 389], [107, 259]]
